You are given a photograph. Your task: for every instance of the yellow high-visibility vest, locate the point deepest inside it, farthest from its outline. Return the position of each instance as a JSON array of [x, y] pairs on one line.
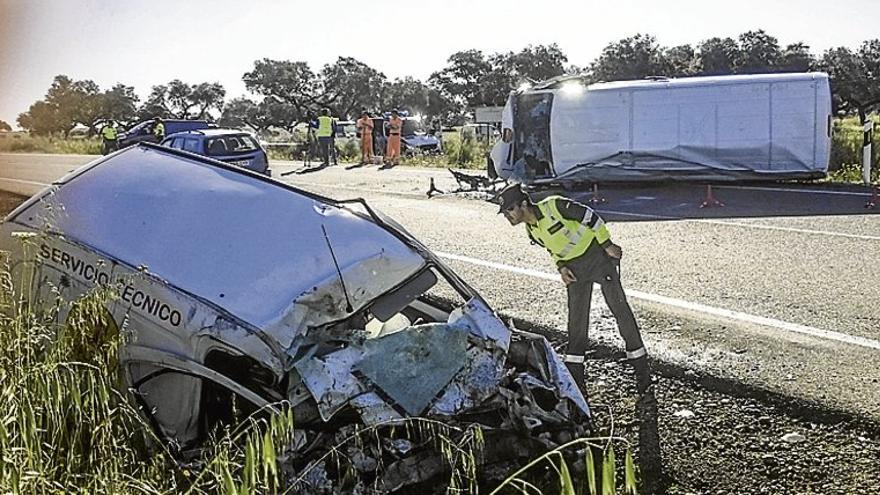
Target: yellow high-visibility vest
[[325, 126], [565, 239], [109, 133], [159, 130]]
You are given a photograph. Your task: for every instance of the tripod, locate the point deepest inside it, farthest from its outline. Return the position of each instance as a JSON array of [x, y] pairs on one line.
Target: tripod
[[311, 145]]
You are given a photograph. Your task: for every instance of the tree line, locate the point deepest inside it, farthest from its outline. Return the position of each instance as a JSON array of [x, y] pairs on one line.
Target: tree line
[[287, 92]]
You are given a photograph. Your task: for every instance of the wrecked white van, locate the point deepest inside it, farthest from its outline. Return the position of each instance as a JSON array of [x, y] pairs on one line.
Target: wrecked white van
[[720, 128], [237, 292]]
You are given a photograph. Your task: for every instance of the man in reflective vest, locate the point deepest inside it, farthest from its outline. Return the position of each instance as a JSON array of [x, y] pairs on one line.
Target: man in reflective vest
[[365, 127], [395, 125], [158, 129], [578, 241], [325, 135], [110, 135]]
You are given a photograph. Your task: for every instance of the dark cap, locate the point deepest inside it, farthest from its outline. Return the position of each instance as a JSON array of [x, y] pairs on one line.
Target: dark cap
[[509, 196]]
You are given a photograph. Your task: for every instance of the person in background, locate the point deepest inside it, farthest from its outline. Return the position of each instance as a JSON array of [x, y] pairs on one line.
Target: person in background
[[395, 125], [110, 135], [324, 133], [334, 128], [365, 127], [158, 129], [437, 131]]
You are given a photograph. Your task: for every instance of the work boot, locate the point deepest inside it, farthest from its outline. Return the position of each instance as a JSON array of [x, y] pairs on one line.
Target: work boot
[[642, 373], [577, 373]]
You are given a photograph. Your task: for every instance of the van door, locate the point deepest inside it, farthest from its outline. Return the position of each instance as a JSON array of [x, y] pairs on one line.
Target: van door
[[183, 400], [532, 153]]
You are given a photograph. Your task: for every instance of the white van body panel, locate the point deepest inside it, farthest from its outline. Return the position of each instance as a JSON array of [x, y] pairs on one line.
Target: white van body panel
[[771, 126]]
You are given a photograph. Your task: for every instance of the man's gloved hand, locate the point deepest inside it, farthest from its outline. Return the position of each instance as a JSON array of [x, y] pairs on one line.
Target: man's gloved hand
[[567, 275], [614, 251]]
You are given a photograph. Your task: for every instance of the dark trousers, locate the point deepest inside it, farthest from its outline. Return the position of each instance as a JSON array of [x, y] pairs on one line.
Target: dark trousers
[[109, 146], [596, 266], [324, 146]]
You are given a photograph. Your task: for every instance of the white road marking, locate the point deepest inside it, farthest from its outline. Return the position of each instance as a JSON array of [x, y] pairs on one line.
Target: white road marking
[[741, 224], [687, 305], [625, 213]]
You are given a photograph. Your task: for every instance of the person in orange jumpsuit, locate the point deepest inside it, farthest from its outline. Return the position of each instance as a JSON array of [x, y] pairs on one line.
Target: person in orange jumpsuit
[[395, 125], [365, 127]]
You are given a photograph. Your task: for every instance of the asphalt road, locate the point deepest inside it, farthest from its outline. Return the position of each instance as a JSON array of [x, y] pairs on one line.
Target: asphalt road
[[778, 290]]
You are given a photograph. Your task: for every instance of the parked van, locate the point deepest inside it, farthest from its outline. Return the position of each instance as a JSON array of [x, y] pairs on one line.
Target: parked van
[[720, 128], [143, 132]]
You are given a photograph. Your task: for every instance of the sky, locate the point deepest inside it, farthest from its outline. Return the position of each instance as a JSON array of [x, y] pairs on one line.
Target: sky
[[147, 42]]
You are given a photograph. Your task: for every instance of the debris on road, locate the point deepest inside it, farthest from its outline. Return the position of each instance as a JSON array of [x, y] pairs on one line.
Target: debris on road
[[684, 413], [468, 183], [793, 438]]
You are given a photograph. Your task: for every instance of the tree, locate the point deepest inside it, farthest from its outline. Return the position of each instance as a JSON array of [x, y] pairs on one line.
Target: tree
[[290, 83], [180, 100], [636, 57], [348, 85], [463, 77], [44, 119], [119, 103], [241, 112], [855, 77], [416, 97], [539, 62], [717, 56], [155, 105], [4, 126], [797, 58], [473, 79], [681, 61], [758, 52], [69, 103]]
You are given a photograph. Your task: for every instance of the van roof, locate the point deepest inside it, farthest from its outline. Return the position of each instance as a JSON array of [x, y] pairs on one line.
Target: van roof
[[706, 80]]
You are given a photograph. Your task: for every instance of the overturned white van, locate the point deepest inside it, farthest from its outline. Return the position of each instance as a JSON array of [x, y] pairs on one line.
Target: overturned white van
[[236, 292], [721, 128]]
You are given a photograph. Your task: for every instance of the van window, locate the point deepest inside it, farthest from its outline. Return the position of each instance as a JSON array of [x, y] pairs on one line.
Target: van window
[[531, 147], [230, 145], [192, 145], [177, 143]]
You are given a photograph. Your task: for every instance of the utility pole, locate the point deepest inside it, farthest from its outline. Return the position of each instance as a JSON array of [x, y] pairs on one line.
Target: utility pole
[[868, 137]]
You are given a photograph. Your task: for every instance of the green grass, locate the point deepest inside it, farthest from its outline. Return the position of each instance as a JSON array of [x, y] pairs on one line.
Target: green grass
[[66, 426], [24, 143]]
